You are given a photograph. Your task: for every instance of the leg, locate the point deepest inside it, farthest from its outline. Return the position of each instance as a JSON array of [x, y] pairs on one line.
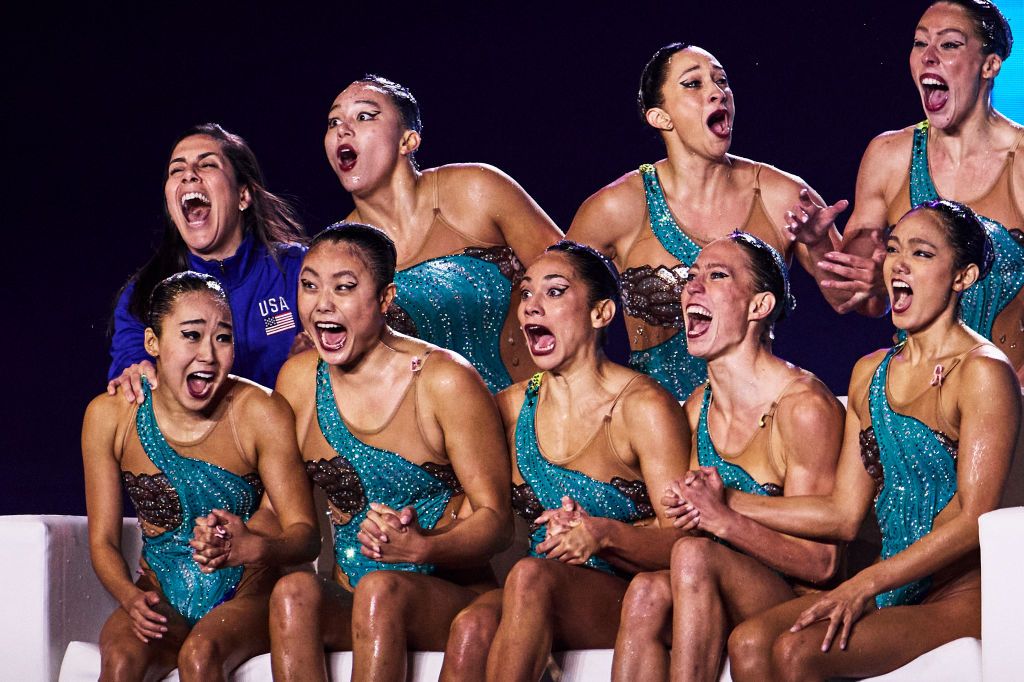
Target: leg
[[751, 642], [225, 638], [123, 656], [307, 613], [645, 634], [881, 640], [470, 638], [712, 587], [395, 611], [550, 604]]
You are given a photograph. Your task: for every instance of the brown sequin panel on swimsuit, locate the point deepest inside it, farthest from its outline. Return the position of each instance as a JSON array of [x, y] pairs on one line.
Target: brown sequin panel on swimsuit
[[653, 294], [526, 504], [156, 501]]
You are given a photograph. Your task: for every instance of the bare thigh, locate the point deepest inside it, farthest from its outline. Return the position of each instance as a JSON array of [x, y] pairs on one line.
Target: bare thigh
[[160, 655]]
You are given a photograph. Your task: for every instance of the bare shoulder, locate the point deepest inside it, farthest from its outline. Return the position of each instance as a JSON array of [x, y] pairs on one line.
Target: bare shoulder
[[448, 375], [107, 410], [614, 211], [860, 378], [510, 402], [692, 405], [297, 370], [473, 179], [645, 403], [889, 152], [258, 406], [809, 406], [987, 371]]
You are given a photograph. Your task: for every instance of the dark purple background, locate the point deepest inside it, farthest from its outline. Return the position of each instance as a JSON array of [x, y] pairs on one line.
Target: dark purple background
[[94, 98]]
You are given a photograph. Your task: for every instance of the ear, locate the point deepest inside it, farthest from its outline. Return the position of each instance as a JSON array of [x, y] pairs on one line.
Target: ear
[[965, 278], [602, 314], [658, 118], [991, 66], [387, 296], [410, 142], [150, 342], [244, 198], [761, 306]]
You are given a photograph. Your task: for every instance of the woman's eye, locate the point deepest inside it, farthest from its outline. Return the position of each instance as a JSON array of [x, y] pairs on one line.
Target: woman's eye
[[525, 293], [920, 43], [224, 338], [718, 274], [306, 284], [691, 84], [345, 286], [555, 292], [890, 249], [923, 254], [367, 115], [332, 123], [950, 45], [175, 171], [191, 336], [723, 81]]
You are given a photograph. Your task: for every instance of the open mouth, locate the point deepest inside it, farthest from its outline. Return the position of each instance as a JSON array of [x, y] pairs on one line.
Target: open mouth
[[347, 157], [195, 206], [698, 321], [540, 339], [936, 92], [719, 124], [200, 384], [332, 335], [902, 296]]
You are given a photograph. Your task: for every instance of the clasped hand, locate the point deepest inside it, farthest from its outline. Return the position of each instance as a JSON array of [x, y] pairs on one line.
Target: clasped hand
[[571, 535], [697, 500], [391, 536], [222, 539]]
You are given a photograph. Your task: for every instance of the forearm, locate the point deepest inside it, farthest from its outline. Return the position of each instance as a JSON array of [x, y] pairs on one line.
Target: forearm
[[935, 551], [807, 516], [471, 540], [113, 573], [635, 548], [296, 543], [807, 560]]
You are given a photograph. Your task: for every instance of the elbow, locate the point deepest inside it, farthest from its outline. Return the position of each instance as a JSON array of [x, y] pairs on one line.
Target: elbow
[[504, 534], [818, 565], [847, 529]]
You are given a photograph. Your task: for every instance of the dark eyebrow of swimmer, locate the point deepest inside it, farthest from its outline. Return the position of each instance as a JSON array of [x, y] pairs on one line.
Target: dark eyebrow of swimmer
[[692, 68], [192, 322], [181, 159], [918, 240]]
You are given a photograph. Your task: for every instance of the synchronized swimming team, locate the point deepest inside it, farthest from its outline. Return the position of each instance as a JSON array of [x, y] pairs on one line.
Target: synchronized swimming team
[[439, 369]]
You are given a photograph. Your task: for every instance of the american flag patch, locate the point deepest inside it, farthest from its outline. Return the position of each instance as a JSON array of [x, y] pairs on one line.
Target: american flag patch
[[279, 323]]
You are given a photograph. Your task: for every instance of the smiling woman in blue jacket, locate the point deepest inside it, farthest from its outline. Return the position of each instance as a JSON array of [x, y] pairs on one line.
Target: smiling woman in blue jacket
[[221, 221]]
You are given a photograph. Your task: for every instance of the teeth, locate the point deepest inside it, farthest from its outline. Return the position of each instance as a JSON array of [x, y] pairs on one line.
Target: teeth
[[931, 81], [195, 195], [900, 284], [698, 310], [203, 375], [328, 326]]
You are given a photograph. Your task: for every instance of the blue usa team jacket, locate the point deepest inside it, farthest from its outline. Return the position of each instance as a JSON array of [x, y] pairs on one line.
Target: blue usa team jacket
[[262, 295]]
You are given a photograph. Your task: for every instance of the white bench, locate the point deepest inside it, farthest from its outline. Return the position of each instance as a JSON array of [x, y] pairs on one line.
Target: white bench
[[51, 599]]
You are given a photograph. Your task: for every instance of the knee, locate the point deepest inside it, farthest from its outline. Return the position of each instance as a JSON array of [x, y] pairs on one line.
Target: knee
[[474, 627], [692, 562], [792, 655], [380, 599], [296, 598], [120, 662], [750, 648], [648, 599], [528, 580], [201, 658]]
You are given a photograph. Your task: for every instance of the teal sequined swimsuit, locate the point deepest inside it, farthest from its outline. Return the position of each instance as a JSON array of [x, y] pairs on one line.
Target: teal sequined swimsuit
[[199, 487], [915, 468], [733, 476], [652, 295], [546, 483], [982, 303], [361, 474]]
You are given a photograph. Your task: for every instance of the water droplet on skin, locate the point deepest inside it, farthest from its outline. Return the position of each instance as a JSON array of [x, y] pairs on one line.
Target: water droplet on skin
[[1002, 339]]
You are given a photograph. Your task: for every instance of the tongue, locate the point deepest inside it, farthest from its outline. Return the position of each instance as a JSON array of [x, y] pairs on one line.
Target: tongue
[[901, 300], [935, 98], [197, 213], [332, 339], [198, 387], [543, 342], [720, 127], [697, 326]]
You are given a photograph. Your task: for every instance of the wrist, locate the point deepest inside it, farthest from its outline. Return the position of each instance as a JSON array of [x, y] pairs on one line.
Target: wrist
[[419, 548], [722, 524]]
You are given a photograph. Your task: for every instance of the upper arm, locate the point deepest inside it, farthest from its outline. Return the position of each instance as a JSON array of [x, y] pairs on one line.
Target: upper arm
[[522, 222], [102, 470], [126, 343], [781, 193], [811, 426], [989, 402], [609, 219], [879, 167], [295, 383], [271, 422], [473, 435], [660, 437]]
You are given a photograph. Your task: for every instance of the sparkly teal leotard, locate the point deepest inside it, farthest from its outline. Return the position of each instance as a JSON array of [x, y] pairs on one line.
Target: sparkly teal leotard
[[733, 476], [918, 470], [460, 302], [373, 475], [668, 362], [200, 487], [546, 484], [982, 303]]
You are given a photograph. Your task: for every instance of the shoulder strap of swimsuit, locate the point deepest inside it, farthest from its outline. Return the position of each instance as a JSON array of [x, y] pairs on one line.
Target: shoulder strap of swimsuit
[[922, 188], [437, 202], [417, 367], [757, 177]]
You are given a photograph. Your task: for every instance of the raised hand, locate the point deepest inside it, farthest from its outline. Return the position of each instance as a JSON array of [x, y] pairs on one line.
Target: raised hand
[[809, 222], [130, 381], [860, 276]]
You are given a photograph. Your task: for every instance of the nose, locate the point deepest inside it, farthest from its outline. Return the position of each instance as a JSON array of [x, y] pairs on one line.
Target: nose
[[899, 265], [190, 174], [694, 285], [532, 306], [930, 55], [205, 352], [343, 129], [324, 303]]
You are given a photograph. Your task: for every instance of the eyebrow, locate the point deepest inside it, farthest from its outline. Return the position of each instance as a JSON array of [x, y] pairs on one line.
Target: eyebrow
[[200, 321], [918, 240], [695, 67], [336, 275], [181, 159], [370, 102], [721, 266]]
